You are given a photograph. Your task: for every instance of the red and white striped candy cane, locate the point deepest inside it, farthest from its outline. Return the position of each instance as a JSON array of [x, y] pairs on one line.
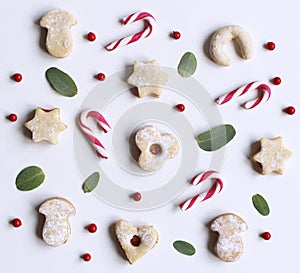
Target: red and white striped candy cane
[[85, 122], [147, 17], [198, 179], [256, 85]]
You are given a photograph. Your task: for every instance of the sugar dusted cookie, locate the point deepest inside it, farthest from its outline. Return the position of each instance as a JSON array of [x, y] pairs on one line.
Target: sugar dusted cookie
[[46, 125], [148, 78], [272, 155], [57, 230], [224, 35], [59, 41], [229, 246], [135, 241], [155, 148]]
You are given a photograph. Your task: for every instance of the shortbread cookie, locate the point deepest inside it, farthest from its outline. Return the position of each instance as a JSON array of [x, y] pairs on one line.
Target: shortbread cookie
[[135, 241], [148, 78], [225, 35], [46, 125], [229, 246], [59, 41], [57, 230], [272, 155], [155, 148]]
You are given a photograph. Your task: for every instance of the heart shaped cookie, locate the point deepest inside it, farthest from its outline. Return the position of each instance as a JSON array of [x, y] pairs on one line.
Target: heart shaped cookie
[[135, 241]]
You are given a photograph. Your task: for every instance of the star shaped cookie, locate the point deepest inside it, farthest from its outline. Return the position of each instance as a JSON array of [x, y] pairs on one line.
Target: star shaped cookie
[[148, 78], [272, 155], [46, 125]]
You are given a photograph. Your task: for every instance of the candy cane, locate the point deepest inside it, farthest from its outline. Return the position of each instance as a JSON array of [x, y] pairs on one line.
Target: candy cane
[[215, 188], [147, 17], [86, 125], [263, 97]]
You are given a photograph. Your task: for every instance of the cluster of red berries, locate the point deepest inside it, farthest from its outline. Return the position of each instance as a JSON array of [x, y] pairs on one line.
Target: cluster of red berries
[[290, 110], [92, 228], [91, 36]]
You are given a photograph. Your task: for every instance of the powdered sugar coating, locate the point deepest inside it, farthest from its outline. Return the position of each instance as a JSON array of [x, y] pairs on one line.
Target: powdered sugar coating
[[56, 230], [225, 35], [272, 155], [229, 246], [148, 136], [59, 41], [125, 231], [148, 78], [46, 125]]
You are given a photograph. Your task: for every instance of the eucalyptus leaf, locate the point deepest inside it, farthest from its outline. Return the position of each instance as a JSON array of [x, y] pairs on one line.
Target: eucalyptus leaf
[[91, 182], [184, 248], [30, 178], [260, 204], [187, 65], [216, 138], [61, 82]]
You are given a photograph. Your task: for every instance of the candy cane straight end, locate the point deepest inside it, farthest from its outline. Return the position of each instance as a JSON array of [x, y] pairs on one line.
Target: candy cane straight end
[[218, 101], [101, 155]]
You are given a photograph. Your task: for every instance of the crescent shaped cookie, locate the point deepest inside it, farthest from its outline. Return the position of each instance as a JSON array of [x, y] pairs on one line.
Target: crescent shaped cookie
[[225, 35]]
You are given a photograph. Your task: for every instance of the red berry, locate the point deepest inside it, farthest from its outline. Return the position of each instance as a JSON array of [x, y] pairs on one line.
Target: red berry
[[86, 257], [137, 196], [176, 35], [17, 77], [91, 36], [101, 76], [16, 222], [180, 107], [12, 117], [92, 228], [276, 81], [270, 46], [266, 235], [290, 110]]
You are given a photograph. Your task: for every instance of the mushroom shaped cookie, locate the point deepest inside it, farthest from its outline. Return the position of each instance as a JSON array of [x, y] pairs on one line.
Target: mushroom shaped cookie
[[135, 241], [155, 148], [229, 246], [59, 42], [225, 35], [57, 230]]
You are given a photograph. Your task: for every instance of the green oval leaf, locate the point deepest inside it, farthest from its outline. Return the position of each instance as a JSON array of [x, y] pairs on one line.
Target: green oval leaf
[[91, 182], [61, 82], [30, 178], [184, 248], [260, 204], [216, 138], [187, 65]]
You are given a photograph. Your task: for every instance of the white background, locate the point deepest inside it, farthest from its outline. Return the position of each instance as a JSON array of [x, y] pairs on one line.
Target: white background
[[22, 250]]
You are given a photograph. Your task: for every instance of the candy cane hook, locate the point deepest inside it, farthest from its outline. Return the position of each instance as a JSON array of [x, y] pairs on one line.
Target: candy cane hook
[[150, 21], [85, 125]]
